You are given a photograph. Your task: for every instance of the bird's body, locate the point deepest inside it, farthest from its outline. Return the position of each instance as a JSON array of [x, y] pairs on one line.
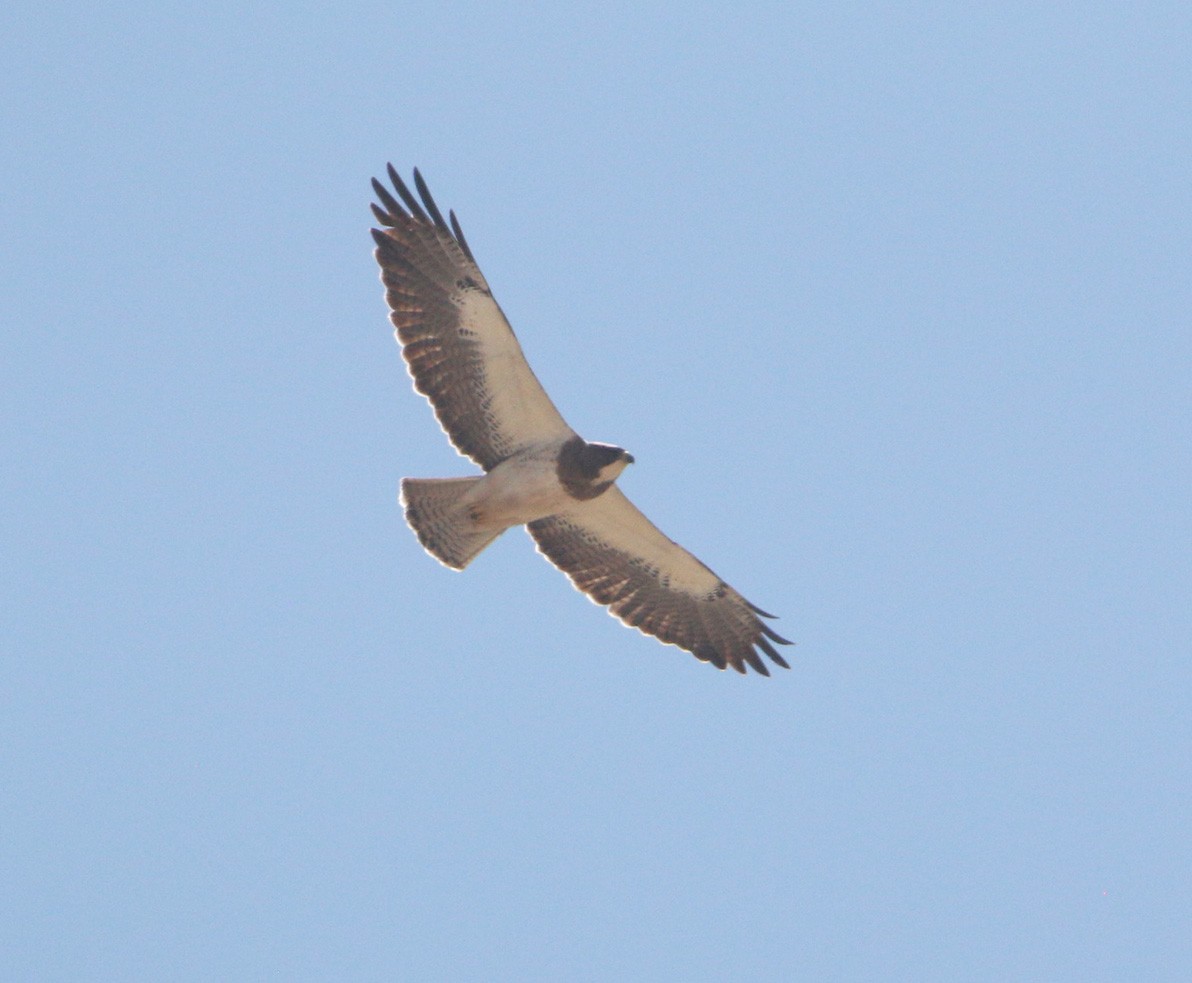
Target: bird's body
[[538, 472], [520, 489]]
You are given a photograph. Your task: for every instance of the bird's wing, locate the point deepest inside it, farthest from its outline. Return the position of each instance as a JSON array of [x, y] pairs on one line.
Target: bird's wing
[[460, 350], [619, 558]]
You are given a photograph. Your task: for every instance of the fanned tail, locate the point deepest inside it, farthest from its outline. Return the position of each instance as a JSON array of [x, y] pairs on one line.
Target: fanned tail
[[436, 511]]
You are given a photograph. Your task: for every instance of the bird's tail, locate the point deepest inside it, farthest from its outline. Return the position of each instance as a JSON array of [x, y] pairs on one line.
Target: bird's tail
[[436, 511]]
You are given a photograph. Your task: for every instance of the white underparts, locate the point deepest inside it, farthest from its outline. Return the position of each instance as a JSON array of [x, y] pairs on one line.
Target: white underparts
[[517, 491]]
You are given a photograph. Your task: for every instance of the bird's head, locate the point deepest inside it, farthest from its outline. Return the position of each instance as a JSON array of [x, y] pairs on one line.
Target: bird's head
[[605, 462]]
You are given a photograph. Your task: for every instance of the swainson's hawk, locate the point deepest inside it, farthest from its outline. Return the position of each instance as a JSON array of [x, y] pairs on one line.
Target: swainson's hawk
[[540, 473]]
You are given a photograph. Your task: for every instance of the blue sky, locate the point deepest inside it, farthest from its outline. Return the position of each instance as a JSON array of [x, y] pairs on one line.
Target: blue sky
[[891, 302]]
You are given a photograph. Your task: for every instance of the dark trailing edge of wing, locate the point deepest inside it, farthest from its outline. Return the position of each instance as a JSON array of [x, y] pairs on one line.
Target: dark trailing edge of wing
[[426, 212]]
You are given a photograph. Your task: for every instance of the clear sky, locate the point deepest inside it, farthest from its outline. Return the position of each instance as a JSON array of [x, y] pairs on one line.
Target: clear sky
[[892, 304]]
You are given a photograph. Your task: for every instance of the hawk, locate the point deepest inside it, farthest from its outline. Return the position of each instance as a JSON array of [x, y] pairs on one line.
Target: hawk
[[538, 472]]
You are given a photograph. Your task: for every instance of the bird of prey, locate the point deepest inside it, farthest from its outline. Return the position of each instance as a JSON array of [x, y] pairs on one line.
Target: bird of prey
[[538, 472]]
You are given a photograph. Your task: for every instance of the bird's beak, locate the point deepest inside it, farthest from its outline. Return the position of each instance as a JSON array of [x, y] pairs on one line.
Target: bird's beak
[[628, 458]]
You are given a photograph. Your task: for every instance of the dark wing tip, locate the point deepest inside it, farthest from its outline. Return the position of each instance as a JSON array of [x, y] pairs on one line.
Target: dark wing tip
[[756, 610], [384, 243], [771, 634], [392, 208], [411, 203], [390, 211], [764, 639], [765, 646], [459, 237], [708, 653], [382, 216], [429, 201], [755, 661]]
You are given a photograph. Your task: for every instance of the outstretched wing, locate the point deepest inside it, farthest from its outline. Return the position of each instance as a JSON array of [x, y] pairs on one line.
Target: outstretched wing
[[460, 350], [619, 558]]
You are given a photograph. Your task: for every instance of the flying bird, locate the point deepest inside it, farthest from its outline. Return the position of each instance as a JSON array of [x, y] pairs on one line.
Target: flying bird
[[538, 472]]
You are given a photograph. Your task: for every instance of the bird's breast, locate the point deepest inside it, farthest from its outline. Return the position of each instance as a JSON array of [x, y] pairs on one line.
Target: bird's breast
[[517, 491]]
